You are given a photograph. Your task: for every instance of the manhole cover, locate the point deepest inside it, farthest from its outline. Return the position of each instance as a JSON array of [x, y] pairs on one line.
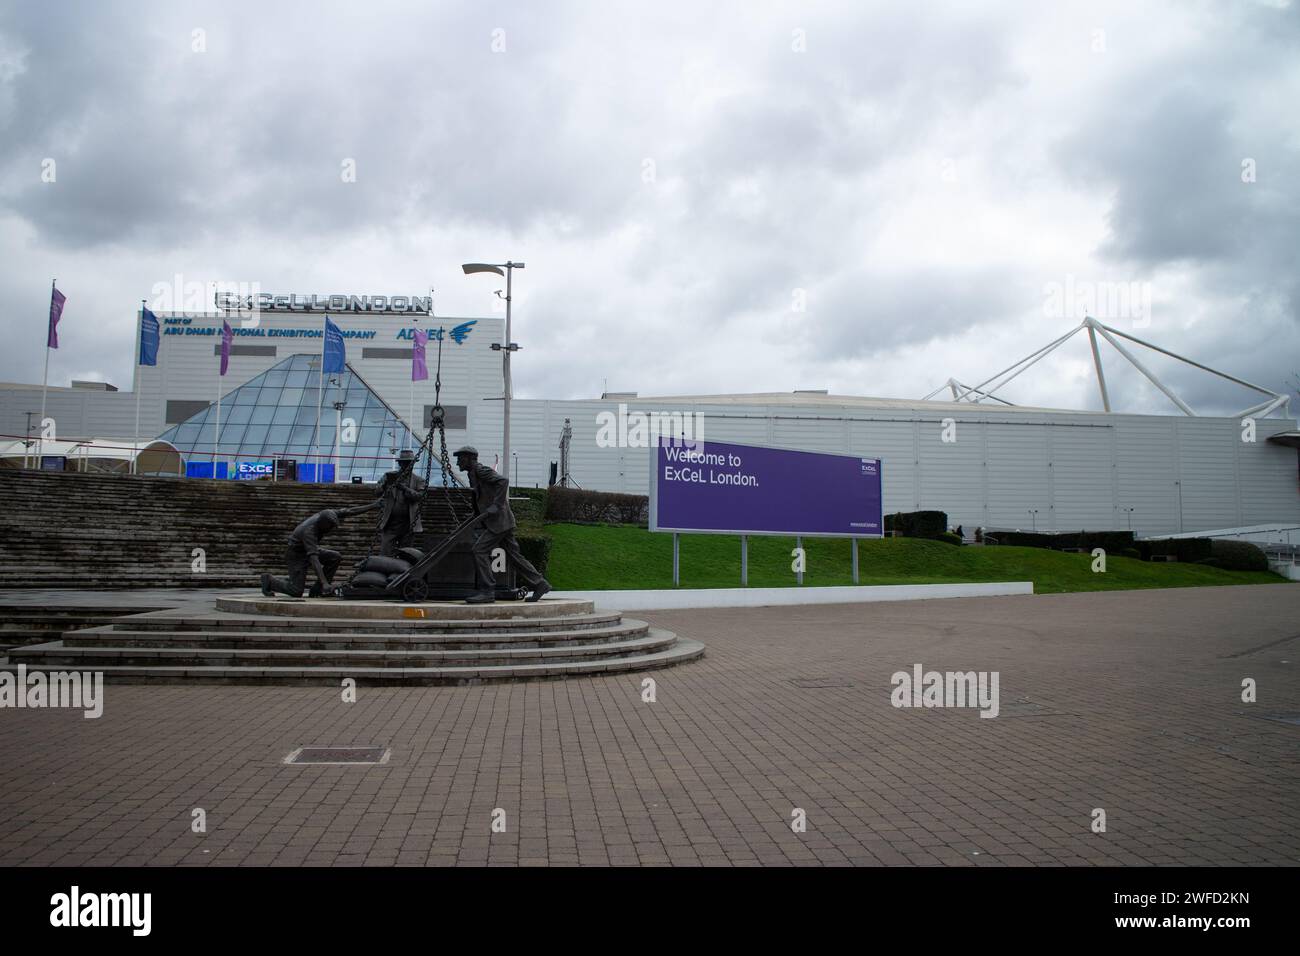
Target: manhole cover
[[814, 683], [339, 755]]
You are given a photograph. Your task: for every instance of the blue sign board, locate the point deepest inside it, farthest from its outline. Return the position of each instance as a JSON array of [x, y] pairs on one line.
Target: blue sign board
[[204, 469], [252, 470], [724, 488]]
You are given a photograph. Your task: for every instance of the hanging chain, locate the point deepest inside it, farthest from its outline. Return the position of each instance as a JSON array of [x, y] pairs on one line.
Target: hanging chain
[[448, 476], [438, 424]]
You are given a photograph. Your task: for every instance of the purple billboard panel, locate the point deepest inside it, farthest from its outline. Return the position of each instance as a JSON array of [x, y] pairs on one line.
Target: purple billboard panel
[[724, 488]]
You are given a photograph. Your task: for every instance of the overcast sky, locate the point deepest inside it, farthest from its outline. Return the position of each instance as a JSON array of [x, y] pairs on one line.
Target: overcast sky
[[709, 197]]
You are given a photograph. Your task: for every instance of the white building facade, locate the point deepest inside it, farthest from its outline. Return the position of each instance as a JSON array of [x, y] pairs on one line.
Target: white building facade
[[985, 465]]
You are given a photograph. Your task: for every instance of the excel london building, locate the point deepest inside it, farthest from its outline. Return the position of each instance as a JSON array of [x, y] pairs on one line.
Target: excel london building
[[969, 452]]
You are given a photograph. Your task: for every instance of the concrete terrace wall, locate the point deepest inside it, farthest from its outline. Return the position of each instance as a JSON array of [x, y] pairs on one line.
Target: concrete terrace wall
[[105, 531]]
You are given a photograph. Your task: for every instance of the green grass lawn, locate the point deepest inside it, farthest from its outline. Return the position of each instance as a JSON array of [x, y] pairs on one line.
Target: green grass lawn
[[622, 557]]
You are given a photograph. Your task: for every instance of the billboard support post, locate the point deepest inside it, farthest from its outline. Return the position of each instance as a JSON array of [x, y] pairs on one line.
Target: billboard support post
[[677, 564], [798, 543], [855, 559], [744, 560]]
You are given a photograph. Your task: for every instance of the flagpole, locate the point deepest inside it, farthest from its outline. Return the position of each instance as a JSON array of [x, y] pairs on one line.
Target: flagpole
[[45, 383], [216, 435], [320, 399], [135, 468]]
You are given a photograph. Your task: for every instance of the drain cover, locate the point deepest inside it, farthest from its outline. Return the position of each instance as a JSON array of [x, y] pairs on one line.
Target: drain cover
[[812, 683], [339, 755]]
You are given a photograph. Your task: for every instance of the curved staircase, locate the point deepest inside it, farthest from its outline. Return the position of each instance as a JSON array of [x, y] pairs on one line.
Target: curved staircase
[[250, 639]]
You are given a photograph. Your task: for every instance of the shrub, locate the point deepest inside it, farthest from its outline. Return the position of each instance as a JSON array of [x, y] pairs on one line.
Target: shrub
[[1185, 550], [948, 538], [533, 511], [1237, 556], [1112, 542], [917, 524], [537, 549], [596, 507]]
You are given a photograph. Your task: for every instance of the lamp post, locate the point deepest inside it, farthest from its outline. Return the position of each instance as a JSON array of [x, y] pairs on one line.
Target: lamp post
[[1129, 512], [27, 442], [503, 269], [1033, 516], [338, 429]]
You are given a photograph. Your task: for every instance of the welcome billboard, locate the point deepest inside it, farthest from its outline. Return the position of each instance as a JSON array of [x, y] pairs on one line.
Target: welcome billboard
[[713, 487]]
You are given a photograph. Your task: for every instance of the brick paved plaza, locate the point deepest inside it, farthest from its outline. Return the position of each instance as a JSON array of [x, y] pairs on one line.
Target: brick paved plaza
[[1125, 701]]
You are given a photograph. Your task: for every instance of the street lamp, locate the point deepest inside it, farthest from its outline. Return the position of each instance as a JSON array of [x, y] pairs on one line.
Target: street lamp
[[503, 269], [1129, 511], [338, 430], [1033, 516]]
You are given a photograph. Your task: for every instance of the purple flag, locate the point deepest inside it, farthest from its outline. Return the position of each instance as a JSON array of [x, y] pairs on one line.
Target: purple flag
[[419, 371], [57, 299], [226, 336]]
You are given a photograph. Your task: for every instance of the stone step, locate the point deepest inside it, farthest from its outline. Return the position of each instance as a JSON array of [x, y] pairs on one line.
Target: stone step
[[340, 640], [34, 624], [218, 622], [680, 651], [57, 656], [381, 610]]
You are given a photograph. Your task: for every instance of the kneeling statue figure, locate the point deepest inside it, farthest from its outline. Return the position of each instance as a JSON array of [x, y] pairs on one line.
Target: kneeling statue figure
[[306, 554]]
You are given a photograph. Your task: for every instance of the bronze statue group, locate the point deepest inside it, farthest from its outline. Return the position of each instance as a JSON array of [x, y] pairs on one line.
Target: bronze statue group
[[401, 495]]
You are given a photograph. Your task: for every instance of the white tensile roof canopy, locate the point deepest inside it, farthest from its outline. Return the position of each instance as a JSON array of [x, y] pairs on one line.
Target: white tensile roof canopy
[[987, 389], [98, 454]]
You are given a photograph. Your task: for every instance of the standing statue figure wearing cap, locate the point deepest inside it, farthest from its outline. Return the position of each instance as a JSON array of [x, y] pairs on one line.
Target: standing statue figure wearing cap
[[400, 493], [492, 500]]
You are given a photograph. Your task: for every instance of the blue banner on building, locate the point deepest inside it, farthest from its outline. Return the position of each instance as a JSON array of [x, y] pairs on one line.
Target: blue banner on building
[[336, 355], [148, 338]]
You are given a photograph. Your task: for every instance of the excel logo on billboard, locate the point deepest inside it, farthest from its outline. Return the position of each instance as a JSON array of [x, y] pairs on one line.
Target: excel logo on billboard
[[249, 470]]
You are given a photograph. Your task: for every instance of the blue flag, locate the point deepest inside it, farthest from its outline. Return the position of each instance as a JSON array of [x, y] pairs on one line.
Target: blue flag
[[148, 337], [336, 355]]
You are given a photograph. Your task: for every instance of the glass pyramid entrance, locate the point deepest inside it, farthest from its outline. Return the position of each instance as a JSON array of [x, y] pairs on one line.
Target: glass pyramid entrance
[[273, 416]]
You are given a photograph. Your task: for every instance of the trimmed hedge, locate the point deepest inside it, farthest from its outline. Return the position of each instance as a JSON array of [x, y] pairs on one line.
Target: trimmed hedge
[[533, 511], [917, 524], [576, 506], [1112, 542], [537, 549], [1184, 550], [1237, 556], [948, 538]]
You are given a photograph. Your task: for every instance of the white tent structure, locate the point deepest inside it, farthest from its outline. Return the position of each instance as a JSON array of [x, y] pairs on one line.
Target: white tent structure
[[987, 389], [104, 455]]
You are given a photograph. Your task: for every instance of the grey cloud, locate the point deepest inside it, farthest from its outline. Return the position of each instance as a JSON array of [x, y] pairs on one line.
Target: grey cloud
[[776, 171]]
